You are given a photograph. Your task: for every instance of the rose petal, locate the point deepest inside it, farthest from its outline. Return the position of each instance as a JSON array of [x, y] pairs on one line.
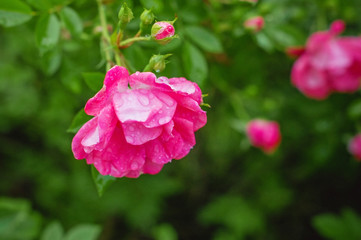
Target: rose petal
[[115, 80], [136, 105], [308, 80], [165, 114], [76, 145], [136, 133], [156, 153]]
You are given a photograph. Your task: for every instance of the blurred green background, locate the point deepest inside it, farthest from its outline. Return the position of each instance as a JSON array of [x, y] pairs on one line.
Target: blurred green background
[[224, 189]]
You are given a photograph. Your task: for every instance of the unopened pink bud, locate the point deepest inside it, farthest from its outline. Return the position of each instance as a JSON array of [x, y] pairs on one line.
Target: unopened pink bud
[[337, 27], [354, 147], [162, 31], [264, 134], [255, 23]]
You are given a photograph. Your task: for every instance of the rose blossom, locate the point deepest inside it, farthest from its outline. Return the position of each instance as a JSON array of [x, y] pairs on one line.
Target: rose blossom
[[255, 23], [139, 129], [264, 134], [354, 146], [328, 64]]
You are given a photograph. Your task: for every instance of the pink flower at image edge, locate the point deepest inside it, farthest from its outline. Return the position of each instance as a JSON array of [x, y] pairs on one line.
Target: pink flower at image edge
[[328, 64], [264, 134], [354, 147], [140, 129]]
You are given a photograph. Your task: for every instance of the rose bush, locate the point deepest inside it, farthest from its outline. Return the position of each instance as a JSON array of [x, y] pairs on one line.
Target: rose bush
[[139, 129]]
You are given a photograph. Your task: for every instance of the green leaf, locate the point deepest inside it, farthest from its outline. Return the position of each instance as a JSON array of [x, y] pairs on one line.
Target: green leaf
[[47, 32], [14, 12], [51, 61], [17, 221], [80, 118], [72, 21], [195, 64], [354, 110], [329, 226], [54, 231], [94, 80], [101, 182], [204, 39], [83, 232], [40, 4], [156, 5], [265, 42], [165, 232]]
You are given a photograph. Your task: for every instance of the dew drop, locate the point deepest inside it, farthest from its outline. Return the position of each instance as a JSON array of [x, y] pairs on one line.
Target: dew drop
[[129, 139], [134, 166], [164, 120]]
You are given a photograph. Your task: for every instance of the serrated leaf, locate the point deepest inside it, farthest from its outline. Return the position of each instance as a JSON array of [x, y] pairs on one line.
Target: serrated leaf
[[14, 13], [195, 64], [72, 21], [80, 118], [83, 232], [204, 39], [54, 231], [94, 80], [101, 182], [47, 32]]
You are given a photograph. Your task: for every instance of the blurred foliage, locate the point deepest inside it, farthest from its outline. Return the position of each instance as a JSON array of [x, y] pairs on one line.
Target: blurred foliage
[[51, 63]]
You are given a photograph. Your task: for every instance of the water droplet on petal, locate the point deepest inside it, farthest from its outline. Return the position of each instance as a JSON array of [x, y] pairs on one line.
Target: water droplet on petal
[[134, 166], [131, 128], [164, 120], [129, 139]]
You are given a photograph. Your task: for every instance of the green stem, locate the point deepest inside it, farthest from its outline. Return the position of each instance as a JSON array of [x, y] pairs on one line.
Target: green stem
[[132, 40], [105, 34]]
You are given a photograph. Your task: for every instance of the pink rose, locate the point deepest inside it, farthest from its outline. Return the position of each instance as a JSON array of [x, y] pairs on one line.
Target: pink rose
[[264, 134], [140, 123], [354, 146], [328, 64], [255, 23]]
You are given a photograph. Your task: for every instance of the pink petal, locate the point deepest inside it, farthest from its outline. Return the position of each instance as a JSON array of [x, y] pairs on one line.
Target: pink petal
[[136, 133], [181, 86], [190, 110], [165, 114], [151, 167], [119, 158], [76, 144], [141, 80], [308, 80], [115, 80], [185, 128], [136, 105], [156, 152]]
